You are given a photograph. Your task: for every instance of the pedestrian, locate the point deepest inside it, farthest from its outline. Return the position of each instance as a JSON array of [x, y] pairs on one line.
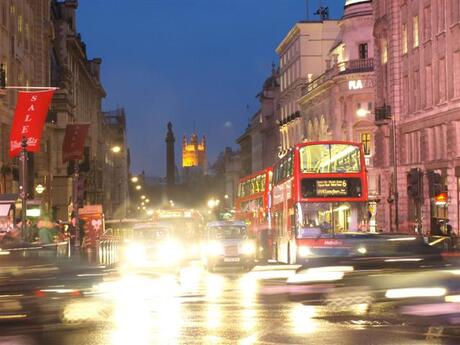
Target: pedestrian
[[46, 231]]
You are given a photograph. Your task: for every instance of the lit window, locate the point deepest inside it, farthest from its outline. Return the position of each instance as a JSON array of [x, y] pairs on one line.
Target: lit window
[[384, 51], [404, 38], [415, 31], [366, 141]]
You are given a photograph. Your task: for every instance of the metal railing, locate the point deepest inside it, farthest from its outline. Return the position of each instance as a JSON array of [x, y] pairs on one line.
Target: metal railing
[[345, 67]]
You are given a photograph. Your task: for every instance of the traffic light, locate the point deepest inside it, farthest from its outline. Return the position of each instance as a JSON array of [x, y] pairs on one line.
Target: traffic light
[[415, 183], [435, 183]]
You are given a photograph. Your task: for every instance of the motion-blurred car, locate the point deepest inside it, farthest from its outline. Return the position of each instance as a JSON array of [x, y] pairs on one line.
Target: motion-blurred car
[[397, 272], [153, 245], [37, 287], [227, 244]]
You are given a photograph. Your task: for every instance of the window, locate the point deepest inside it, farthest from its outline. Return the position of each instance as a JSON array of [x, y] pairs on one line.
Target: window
[[20, 23], [404, 38], [456, 63], [441, 15], [330, 158], [369, 106], [427, 23], [415, 32], [428, 86], [383, 51], [365, 139], [363, 51], [455, 11], [442, 79], [416, 90]]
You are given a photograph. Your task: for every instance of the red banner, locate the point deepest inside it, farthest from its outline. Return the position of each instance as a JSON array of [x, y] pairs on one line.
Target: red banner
[[29, 118], [74, 141]]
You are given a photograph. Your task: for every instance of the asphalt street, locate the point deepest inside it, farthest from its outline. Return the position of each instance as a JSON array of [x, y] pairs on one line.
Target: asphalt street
[[196, 307]]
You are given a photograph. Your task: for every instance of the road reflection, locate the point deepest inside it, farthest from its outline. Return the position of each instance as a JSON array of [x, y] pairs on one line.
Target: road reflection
[[192, 304]]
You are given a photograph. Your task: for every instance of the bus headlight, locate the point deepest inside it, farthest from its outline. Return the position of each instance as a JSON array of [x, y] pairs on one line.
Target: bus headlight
[[215, 248], [304, 251], [248, 248]]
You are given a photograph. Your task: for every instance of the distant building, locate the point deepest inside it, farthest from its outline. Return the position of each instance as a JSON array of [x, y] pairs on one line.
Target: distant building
[[259, 142], [303, 54], [194, 153]]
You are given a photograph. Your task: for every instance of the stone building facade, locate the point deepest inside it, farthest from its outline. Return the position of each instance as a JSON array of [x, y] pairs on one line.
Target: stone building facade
[[339, 104], [77, 100], [303, 55], [25, 42], [259, 142], [418, 95]]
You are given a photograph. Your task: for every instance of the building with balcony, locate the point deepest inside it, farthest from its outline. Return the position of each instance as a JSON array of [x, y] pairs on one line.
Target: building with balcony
[[418, 112], [303, 55], [339, 104]]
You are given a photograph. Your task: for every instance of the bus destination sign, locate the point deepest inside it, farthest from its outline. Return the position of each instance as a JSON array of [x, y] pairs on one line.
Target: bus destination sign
[[331, 188]]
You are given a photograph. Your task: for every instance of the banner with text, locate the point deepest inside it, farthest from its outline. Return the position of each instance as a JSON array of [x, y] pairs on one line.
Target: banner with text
[[29, 118], [74, 141]]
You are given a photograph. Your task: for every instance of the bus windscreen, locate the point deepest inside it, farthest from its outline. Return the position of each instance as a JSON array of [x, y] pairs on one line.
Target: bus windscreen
[[330, 158]]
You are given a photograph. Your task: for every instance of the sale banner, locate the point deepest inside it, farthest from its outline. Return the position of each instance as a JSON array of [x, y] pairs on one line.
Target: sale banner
[[29, 119], [74, 141]]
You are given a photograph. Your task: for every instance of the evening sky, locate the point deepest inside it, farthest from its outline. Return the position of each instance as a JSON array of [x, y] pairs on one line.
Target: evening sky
[[196, 63]]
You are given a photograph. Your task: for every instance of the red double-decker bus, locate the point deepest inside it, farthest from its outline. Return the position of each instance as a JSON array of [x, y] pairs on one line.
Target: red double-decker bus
[[319, 191], [253, 204]]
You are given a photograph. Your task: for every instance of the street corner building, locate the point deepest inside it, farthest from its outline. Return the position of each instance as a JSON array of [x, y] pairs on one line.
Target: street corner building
[[418, 112]]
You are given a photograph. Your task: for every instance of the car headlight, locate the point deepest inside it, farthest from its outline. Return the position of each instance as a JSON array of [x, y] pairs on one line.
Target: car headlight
[[304, 251], [248, 248], [170, 251], [215, 248], [135, 254]]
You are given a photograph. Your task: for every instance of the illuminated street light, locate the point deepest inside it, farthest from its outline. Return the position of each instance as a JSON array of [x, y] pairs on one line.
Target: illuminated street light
[[138, 187], [226, 196], [115, 149], [134, 179], [147, 200], [150, 212], [361, 112], [143, 207], [142, 197], [142, 203]]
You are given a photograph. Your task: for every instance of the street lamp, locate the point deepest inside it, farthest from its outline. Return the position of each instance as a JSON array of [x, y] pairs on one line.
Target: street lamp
[[116, 149], [134, 179], [147, 200], [138, 187], [361, 112], [142, 197]]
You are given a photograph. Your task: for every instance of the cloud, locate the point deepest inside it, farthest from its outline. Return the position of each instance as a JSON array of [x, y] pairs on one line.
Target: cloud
[[228, 124]]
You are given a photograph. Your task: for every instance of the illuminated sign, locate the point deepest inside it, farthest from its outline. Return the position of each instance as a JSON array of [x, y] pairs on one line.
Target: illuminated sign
[[360, 84], [331, 188], [325, 188]]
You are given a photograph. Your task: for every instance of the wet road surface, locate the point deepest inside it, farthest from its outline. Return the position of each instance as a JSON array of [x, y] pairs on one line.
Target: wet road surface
[[197, 307]]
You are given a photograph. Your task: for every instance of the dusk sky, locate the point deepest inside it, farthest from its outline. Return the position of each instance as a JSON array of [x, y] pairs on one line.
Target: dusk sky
[[196, 63]]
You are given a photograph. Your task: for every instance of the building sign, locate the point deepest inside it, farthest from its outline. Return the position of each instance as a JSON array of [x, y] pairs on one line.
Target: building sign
[[325, 188], [360, 84]]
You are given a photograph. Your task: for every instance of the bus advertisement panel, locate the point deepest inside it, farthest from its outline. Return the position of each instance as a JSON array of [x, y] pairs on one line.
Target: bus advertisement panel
[[319, 191]]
